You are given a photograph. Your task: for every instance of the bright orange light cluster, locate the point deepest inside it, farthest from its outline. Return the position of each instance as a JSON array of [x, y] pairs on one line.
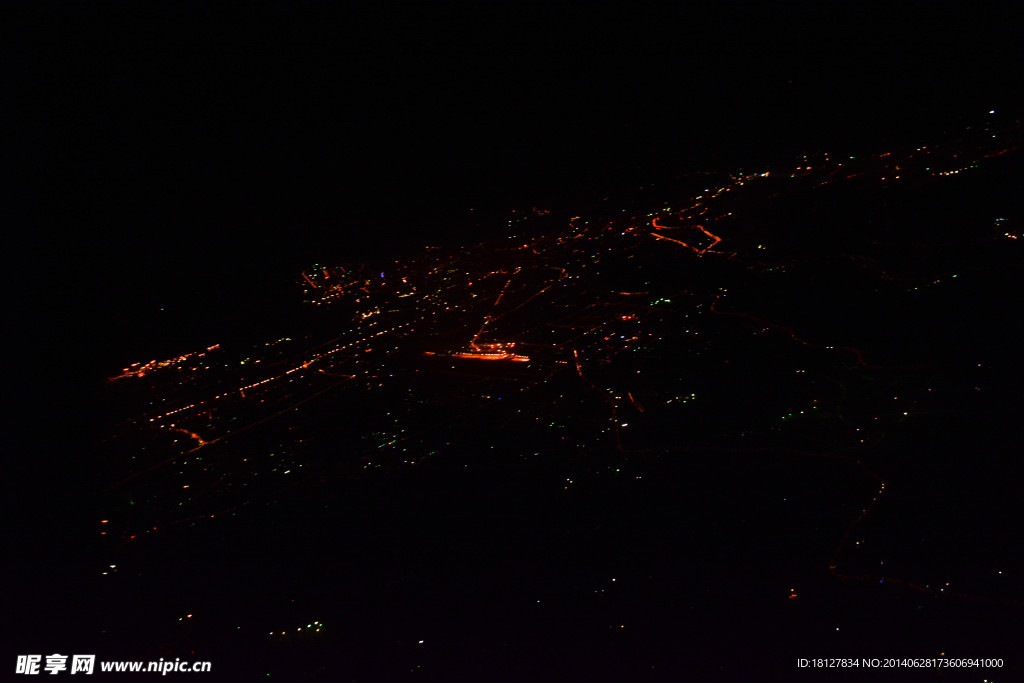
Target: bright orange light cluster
[[493, 351], [480, 355]]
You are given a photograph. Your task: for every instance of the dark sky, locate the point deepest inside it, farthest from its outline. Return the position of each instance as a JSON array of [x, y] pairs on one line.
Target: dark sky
[[304, 112]]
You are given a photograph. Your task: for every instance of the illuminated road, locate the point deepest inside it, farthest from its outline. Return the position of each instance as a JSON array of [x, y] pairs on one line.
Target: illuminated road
[[700, 252]]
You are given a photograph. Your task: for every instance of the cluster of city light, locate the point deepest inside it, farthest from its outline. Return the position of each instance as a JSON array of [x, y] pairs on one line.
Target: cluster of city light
[[141, 369], [491, 355], [454, 293]]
